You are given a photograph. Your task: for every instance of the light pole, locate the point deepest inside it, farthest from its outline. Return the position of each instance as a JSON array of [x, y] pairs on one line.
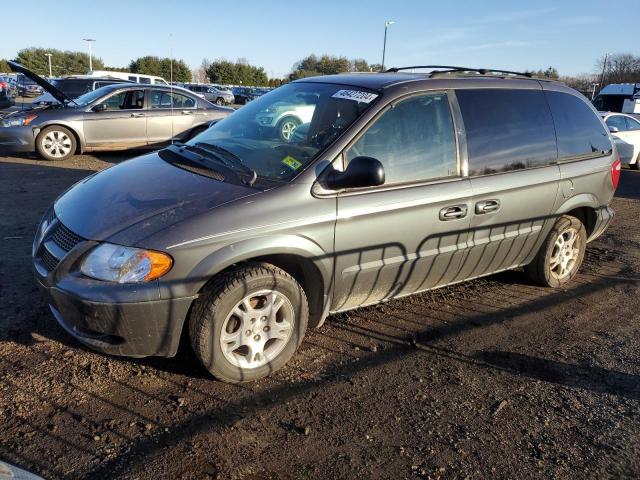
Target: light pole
[[89, 41], [593, 91], [49, 56], [384, 45]]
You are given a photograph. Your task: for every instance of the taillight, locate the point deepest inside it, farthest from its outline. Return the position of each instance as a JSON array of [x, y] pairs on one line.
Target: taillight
[[615, 173], [3, 85]]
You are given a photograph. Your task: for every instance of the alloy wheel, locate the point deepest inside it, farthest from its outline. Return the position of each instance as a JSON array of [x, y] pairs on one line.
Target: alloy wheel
[[565, 254], [257, 329]]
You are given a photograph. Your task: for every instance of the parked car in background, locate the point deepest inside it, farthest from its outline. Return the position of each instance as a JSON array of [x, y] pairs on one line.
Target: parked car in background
[[6, 99], [27, 87], [285, 115], [114, 117], [242, 95], [11, 86], [211, 93], [238, 240], [132, 77], [73, 87], [625, 131]]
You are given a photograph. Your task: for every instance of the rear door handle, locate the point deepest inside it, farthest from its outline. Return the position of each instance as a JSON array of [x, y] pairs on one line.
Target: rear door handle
[[487, 206], [453, 212], [137, 114]]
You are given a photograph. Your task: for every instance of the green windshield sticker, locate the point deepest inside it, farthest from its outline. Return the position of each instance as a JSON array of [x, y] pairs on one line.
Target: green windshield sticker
[[291, 162]]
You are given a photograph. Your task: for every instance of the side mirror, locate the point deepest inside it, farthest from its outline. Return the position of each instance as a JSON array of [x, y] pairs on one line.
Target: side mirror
[[361, 172], [614, 129], [101, 107]]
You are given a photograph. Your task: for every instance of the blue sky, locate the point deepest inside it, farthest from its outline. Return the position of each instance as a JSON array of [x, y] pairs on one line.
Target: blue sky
[[512, 35]]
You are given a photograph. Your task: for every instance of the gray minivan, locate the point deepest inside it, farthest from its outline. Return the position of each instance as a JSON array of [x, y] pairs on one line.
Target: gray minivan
[[399, 183]]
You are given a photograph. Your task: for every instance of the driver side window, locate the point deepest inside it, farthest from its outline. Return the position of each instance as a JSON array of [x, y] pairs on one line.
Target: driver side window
[[127, 100], [414, 140]]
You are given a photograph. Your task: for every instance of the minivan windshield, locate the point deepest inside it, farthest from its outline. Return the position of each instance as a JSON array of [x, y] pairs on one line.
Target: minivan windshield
[[281, 132]]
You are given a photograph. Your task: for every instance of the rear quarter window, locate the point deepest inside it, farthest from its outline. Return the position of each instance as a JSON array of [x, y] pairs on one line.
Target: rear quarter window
[[506, 129], [580, 131]]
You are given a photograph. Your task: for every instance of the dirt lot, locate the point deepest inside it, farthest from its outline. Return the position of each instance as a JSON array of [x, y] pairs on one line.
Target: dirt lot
[[495, 378]]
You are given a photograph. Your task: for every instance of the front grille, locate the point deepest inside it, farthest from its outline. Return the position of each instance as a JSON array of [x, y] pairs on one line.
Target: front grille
[[65, 238], [50, 262]]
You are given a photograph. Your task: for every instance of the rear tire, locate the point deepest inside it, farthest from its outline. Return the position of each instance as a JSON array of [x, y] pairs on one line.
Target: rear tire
[[636, 164], [249, 322], [286, 126], [561, 254], [56, 143], [219, 101]]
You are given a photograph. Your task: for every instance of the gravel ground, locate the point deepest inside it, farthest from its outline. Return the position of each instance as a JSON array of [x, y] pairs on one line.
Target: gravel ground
[[494, 378]]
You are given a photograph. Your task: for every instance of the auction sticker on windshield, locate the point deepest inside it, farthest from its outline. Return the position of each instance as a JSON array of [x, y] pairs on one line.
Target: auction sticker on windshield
[[291, 162], [355, 95]]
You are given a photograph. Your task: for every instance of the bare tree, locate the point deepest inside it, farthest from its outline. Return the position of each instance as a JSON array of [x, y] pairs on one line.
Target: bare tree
[[619, 68]]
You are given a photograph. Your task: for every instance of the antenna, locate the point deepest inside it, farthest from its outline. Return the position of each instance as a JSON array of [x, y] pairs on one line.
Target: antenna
[[171, 81]]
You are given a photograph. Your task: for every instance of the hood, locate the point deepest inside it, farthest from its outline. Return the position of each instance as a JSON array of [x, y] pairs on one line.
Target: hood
[[136, 198], [57, 94]]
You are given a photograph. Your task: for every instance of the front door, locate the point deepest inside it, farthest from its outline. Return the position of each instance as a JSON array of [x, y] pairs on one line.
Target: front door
[[122, 125], [411, 233], [170, 114]]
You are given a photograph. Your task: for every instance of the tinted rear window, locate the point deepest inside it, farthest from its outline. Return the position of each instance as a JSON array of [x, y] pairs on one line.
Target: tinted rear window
[[580, 131], [507, 130]]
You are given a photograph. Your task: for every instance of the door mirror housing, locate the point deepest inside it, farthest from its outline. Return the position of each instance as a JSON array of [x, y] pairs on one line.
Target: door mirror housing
[[101, 107], [614, 129], [360, 172]]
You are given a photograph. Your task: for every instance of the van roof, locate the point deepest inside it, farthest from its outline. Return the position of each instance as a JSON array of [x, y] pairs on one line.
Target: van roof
[[380, 80]]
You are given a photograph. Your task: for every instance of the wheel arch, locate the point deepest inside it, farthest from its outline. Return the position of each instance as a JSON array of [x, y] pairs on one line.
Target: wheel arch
[[584, 208], [79, 139], [301, 258]]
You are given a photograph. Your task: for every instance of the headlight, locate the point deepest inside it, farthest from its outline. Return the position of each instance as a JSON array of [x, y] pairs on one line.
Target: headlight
[[114, 263], [18, 121]]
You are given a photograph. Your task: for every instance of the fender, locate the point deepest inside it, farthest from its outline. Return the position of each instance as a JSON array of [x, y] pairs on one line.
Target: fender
[[577, 201], [248, 249]]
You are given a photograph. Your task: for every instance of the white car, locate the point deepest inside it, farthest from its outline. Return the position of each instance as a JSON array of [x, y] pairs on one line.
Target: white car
[[285, 117], [625, 131]]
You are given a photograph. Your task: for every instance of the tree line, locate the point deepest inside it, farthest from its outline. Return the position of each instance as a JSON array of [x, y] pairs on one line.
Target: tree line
[[614, 68]]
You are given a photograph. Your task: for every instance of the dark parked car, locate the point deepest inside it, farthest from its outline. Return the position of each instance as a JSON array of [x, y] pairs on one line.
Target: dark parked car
[[6, 99], [27, 87], [73, 87], [115, 117], [243, 95], [399, 183]]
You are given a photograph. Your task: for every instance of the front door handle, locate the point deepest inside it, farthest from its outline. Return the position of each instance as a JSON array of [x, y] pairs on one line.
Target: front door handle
[[186, 112], [137, 114], [453, 212], [487, 206]]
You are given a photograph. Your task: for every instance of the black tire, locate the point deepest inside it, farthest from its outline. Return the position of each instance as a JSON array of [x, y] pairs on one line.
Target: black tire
[[283, 127], [214, 309], [219, 101], [67, 143], [540, 269], [636, 165]]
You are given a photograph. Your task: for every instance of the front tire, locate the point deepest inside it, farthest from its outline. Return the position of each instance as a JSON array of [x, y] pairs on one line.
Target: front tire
[[56, 143], [636, 165], [249, 322], [219, 101], [561, 254]]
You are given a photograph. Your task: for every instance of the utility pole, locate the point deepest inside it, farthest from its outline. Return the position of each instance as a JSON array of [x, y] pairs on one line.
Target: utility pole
[[49, 56], [89, 41], [384, 45], [604, 67]]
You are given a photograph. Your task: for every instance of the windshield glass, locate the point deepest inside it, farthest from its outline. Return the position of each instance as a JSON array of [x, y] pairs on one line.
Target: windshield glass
[[281, 132], [90, 97]]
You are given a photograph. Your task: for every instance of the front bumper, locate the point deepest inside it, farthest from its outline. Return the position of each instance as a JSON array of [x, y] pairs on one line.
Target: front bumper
[[136, 329], [120, 319], [17, 139]]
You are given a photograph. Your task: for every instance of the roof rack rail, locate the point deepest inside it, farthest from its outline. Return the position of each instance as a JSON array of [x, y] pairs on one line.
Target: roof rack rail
[[449, 68]]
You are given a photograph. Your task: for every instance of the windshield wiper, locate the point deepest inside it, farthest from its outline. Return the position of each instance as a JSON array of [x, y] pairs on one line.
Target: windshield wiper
[[236, 160]]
